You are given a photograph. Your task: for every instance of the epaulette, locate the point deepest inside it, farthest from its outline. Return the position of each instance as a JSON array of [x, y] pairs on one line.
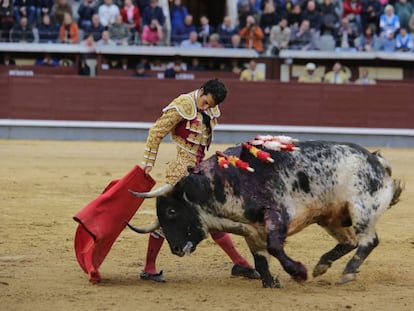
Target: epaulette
[[185, 106]]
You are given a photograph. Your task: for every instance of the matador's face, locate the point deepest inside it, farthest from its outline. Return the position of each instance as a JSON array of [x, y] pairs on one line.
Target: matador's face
[[204, 101]]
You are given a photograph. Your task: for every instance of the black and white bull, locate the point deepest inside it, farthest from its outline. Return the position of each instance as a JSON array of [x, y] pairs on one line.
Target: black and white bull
[[342, 187]]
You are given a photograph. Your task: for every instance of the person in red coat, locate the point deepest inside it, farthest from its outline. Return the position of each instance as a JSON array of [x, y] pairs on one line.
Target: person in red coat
[[352, 10], [131, 17]]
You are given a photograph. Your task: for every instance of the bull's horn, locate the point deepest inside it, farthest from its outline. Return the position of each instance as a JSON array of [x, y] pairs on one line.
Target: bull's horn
[[151, 228], [152, 194]]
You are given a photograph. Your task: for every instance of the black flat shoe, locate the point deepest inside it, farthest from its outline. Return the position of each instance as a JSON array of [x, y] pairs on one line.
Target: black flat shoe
[[249, 273], [157, 277]]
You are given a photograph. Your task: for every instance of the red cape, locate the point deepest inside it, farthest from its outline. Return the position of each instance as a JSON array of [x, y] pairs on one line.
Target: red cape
[[103, 219]]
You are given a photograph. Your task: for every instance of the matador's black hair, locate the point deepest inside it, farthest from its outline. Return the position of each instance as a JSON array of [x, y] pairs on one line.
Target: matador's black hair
[[217, 90]]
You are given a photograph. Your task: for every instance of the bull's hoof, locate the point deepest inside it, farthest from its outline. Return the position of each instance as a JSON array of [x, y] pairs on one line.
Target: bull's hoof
[[273, 283], [320, 269], [348, 277], [301, 274]]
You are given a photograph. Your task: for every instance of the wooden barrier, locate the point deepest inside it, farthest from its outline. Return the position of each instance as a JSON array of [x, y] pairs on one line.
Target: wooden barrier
[[273, 103]]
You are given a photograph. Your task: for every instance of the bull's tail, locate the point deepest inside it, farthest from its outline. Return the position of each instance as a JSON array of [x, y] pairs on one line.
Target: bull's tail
[[398, 189]]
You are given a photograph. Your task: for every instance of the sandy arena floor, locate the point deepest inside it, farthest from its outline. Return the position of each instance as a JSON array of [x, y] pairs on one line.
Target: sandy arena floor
[[44, 183]]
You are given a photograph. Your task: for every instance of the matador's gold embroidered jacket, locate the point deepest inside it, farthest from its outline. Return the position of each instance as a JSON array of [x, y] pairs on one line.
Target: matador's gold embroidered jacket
[[191, 136]]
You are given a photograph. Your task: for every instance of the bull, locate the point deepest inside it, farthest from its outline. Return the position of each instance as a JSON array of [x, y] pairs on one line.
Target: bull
[[342, 187]]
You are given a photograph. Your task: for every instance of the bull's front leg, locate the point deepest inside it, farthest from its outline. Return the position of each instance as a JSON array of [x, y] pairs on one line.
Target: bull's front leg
[[276, 227]]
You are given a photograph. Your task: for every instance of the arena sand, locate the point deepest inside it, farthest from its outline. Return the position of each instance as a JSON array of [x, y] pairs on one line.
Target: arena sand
[[44, 183]]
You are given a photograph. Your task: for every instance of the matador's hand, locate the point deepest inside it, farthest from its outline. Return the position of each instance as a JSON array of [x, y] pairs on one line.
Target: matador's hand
[[147, 169]]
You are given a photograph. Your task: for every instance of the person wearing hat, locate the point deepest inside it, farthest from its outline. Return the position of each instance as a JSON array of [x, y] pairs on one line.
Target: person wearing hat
[[309, 76], [140, 71]]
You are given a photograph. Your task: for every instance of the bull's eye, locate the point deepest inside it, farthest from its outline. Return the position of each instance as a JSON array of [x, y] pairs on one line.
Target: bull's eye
[[170, 212]]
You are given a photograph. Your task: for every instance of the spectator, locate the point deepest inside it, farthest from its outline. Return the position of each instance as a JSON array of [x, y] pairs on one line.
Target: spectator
[[368, 41], [180, 34], [119, 32], [236, 42], [279, 37], [254, 5], [141, 71], [244, 10], [152, 34], [301, 37], [47, 60], [251, 73], [226, 30], [132, 19], [213, 41], [59, 9], [85, 12], [69, 31], [107, 12], [311, 14], [153, 11], [309, 75], [404, 41], [24, 8], [142, 4], [371, 11], [252, 35], [6, 19], [389, 22], [22, 32], [105, 39], [191, 42], [172, 72], [43, 7], [364, 78], [330, 18], [84, 69], [48, 31], [205, 29], [96, 28], [345, 37], [268, 19], [294, 17], [336, 76], [388, 43], [352, 12], [89, 42], [178, 13], [403, 10], [196, 65]]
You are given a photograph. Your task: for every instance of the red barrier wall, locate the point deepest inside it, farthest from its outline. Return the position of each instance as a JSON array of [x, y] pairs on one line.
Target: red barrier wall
[[274, 103]]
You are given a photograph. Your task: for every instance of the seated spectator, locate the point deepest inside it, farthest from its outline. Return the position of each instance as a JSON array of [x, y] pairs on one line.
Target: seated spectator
[[84, 69], [85, 12], [172, 72], [153, 10], [140, 71], [59, 9], [389, 22], [204, 30], [388, 44], [371, 11], [252, 35], [43, 7], [312, 14], [182, 33], [245, 9], [364, 78], [404, 41], [269, 18], [48, 32], [330, 18], [404, 10], [119, 31], [279, 37], [96, 28], [47, 60], [24, 8], [6, 19], [294, 17], [226, 30], [178, 13], [301, 37], [107, 13], [191, 42], [196, 65], [132, 19], [236, 42], [345, 36], [336, 76], [69, 31], [251, 73], [368, 41], [352, 10], [22, 32], [213, 41], [152, 34], [309, 76], [105, 39], [89, 42]]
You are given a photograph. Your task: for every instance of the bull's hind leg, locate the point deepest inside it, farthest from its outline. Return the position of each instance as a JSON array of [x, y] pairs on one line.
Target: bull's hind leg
[[365, 247], [276, 229], [347, 243]]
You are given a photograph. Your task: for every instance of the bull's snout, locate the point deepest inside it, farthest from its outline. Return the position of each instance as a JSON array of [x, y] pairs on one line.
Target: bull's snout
[[185, 250]]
